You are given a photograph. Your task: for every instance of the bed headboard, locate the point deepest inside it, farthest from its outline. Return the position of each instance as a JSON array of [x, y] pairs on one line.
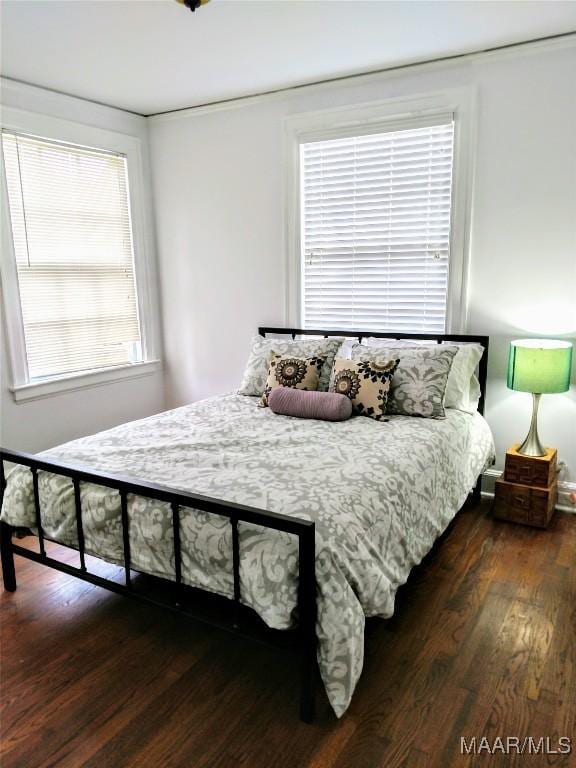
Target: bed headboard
[[438, 337]]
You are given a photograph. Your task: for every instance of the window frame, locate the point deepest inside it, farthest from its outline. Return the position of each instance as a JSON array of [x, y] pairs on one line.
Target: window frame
[[52, 128], [378, 117]]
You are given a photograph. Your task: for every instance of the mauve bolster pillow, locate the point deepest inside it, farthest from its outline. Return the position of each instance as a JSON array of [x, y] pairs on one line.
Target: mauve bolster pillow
[[328, 406]]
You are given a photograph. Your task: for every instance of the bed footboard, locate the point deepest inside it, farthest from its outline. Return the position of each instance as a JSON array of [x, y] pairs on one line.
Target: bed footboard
[[240, 620]]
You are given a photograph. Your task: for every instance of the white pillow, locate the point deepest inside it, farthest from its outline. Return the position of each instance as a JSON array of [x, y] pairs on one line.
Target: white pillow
[[345, 351], [462, 387]]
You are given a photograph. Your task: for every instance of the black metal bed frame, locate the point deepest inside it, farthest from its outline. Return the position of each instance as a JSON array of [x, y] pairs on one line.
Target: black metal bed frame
[[240, 619]]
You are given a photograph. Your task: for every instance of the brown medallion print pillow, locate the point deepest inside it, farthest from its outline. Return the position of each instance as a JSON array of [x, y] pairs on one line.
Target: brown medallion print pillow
[[367, 384], [295, 372]]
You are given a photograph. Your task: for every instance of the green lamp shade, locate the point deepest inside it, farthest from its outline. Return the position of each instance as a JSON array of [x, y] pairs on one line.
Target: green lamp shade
[[539, 365]]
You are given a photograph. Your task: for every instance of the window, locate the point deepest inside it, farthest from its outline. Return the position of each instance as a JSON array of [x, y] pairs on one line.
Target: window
[[375, 217], [71, 228]]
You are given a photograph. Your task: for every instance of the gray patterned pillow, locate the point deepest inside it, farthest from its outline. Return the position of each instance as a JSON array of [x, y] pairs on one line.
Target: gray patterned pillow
[[263, 349], [462, 387], [419, 384]]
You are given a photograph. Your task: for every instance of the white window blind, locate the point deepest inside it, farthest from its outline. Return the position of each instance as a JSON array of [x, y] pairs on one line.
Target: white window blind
[[375, 218], [70, 215]]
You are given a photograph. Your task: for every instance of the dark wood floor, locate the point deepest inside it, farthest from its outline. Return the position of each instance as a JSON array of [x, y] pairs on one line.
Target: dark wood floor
[[483, 643]]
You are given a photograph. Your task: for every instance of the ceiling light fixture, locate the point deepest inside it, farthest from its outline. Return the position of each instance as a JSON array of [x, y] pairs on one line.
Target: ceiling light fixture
[[192, 4]]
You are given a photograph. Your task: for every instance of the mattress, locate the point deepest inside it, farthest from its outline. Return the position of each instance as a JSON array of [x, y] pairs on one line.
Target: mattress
[[379, 493]]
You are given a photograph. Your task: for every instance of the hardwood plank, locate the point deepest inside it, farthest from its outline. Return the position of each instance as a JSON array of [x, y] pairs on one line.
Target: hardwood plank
[[483, 642]]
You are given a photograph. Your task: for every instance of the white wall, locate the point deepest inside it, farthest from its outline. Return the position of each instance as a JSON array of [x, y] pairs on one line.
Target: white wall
[[218, 187], [39, 424]]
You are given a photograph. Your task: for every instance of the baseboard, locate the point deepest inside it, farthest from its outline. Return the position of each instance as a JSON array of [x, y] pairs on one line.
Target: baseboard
[[565, 488]]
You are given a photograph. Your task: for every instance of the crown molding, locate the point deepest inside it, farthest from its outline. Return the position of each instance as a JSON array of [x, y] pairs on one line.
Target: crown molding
[[14, 90], [34, 98], [529, 47]]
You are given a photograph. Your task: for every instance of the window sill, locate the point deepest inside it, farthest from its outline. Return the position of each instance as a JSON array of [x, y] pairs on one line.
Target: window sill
[[49, 387]]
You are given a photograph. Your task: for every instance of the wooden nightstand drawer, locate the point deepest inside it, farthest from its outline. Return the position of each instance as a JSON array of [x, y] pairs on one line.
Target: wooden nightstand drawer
[[530, 470], [524, 503]]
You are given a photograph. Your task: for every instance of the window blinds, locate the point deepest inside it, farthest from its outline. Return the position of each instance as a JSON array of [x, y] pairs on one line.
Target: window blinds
[[375, 218], [70, 216]]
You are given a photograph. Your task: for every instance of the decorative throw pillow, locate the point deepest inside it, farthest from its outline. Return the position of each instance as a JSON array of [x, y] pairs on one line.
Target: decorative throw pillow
[[326, 406], [256, 372], [419, 383], [295, 372], [462, 387], [366, 383]]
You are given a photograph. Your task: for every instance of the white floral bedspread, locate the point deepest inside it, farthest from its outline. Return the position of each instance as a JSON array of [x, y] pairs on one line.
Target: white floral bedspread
[[380, 494]]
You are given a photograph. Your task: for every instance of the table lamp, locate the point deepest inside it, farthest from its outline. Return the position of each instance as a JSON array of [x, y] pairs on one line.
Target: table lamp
[[539, 366]]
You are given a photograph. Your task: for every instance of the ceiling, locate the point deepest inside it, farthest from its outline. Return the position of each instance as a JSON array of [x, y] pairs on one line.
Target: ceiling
[[151, 56]]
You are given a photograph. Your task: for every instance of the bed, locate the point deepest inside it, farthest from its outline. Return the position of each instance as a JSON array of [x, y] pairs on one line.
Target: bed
[[309, 526]]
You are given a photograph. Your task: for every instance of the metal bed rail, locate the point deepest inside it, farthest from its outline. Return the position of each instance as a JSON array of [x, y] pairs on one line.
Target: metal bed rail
[[305, 633], [236, 513]]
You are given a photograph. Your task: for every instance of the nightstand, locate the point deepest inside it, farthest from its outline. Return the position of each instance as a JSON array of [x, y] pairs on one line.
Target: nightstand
[[528, 490]]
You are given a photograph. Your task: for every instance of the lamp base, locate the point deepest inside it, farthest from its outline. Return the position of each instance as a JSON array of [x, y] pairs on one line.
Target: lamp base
[[532, 445]]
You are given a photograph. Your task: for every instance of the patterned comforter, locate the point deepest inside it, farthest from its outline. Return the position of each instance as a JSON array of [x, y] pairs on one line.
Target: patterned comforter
[[380, 494]]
